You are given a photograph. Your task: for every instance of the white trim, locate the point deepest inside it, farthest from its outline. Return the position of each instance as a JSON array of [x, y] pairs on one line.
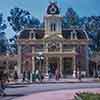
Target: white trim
[[86, 34]]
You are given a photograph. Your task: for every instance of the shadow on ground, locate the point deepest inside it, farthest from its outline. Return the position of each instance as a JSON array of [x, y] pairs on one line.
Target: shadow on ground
[[13, 95]]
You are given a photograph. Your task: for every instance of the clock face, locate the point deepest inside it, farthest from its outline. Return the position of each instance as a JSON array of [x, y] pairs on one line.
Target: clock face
[[53, 9]]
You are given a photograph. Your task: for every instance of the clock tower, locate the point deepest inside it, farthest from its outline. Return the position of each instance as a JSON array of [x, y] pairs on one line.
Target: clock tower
[[53, 19]]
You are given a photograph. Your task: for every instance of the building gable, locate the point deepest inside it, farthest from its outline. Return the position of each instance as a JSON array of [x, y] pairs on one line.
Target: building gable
[[54, 37]]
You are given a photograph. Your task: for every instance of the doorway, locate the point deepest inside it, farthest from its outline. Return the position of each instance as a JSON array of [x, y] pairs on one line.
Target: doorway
[[53, 64], [67, 67]]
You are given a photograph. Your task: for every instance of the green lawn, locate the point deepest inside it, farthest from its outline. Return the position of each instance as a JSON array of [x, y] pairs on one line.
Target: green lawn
[[87, 96]]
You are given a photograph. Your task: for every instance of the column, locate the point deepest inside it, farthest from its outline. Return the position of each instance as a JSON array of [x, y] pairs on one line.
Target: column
[[7, 62], [33, 59], [61, 47], [46, 65], [19, 60], [46, 25], [46, 47], [74, 62], [30, 35], [74, 66], [61, 66], [87, 61]]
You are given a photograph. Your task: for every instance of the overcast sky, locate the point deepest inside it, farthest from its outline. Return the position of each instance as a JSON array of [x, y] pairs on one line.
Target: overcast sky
[[38, 7]]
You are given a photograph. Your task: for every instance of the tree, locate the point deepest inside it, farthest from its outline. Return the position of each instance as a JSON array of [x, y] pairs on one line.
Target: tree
[[20, 19], [71, 18], [94, 30], [3, 39], [98, 40], [92, 26], [13, 45]]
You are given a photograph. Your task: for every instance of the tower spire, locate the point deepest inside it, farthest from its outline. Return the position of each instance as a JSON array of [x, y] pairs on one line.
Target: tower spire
[[53, 1]]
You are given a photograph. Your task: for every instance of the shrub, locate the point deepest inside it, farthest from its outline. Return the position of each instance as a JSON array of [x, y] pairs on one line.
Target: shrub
[[87, 96]]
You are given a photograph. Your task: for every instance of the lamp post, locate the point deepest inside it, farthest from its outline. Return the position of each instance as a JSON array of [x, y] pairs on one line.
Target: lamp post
[[40, 58]]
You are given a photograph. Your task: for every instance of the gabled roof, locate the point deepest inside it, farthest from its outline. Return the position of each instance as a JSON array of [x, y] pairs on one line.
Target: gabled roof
[[40, 34], [80, 34], [24, 34]]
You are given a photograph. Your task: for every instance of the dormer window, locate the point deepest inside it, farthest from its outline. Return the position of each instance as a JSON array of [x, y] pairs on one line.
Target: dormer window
[[73, 35], [32, 35], [53, 27]]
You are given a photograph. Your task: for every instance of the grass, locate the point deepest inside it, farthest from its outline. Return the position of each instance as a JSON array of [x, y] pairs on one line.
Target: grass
[[87, 96]]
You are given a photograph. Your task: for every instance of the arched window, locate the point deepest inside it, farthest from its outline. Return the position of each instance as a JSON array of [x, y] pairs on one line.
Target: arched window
[[53, 27]]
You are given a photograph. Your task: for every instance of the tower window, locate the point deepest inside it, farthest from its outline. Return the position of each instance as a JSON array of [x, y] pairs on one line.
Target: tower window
[[53, 27]]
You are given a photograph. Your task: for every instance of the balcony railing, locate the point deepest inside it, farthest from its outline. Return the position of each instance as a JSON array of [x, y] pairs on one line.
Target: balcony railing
[[67, 50], [39, 50]]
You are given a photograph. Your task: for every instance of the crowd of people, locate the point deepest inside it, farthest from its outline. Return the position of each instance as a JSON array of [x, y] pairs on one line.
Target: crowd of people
[[4, 79], [37, 75], [29, 76]]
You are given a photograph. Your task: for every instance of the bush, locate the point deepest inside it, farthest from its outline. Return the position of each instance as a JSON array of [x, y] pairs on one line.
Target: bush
[[87, 96]]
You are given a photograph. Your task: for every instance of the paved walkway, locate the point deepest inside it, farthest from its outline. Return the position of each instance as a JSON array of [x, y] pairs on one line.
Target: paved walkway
[[67, 80], [57, 95]]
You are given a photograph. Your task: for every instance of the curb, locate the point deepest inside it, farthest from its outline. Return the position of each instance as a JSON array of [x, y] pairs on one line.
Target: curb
[[28, 83]]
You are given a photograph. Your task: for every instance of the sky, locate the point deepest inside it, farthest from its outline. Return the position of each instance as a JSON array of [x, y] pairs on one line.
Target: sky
[[38, 8]]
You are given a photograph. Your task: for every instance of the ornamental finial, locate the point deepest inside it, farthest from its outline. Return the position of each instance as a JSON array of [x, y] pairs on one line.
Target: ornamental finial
[[53, 1]]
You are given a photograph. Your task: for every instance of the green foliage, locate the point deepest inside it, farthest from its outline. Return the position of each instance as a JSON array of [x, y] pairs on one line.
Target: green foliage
[[87, 96], [13, 45], [20, 19], [3, 39], [3, 26], [98, 40], [71, 18]]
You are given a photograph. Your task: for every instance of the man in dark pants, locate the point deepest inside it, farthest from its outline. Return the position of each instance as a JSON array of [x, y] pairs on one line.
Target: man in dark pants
[[24, 76], [2, 83], [79, 75], [28, 76]]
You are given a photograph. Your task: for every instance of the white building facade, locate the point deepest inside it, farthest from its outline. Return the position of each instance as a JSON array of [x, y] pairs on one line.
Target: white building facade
[[53, 47]]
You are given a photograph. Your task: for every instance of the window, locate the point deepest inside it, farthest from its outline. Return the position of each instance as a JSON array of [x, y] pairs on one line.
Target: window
[[53, 27], [32, 35], [73, 35]]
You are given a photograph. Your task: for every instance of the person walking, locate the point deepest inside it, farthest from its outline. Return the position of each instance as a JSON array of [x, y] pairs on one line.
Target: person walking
[[49, 72], [79, 73], [57, 74], [15, 76], [37, 74], [28, 76], [24, 76], [2, 84]]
